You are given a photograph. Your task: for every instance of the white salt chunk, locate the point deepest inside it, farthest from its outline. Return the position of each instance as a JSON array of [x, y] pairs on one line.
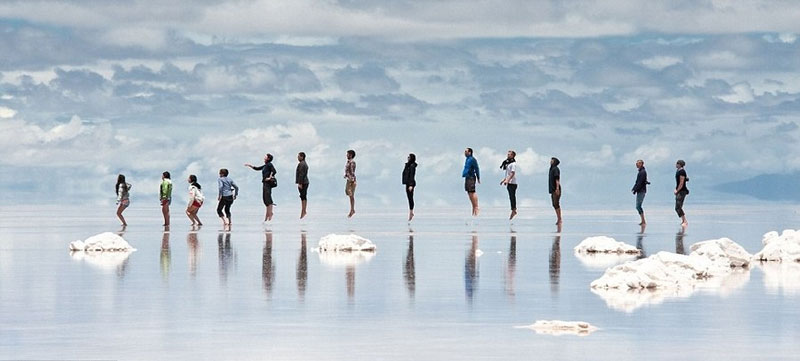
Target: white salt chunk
[[558, 328], [784, 247], [723, 252], [103, 242], [603, 244], [345, 243]]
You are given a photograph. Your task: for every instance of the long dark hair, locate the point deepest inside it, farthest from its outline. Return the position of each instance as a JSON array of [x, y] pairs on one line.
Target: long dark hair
[[412, 159], [120, 180], [193, 180]]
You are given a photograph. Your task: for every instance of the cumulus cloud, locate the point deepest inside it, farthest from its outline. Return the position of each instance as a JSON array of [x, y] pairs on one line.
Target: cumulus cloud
[[368, 79]]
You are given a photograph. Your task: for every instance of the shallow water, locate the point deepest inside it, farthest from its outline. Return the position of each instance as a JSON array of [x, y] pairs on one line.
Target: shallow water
[[261, 292]]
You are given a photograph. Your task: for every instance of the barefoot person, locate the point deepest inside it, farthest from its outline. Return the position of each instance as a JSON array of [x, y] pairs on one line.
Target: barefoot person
[[301, 179], [268, 182], [510, 181], [680, 190], [228, 191], [165, 196], [471, 174], [350, 186], [123, 197], [409, 175], [554, 184], [640, 189], [195, 200]]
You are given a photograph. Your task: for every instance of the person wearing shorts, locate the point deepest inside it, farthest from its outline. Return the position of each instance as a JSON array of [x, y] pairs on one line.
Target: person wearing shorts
[[165, 196], [195, 200], [123, 197], [471, 174], [267, 183], [227, 193], [350, 185], [554, 185], [301, 179]]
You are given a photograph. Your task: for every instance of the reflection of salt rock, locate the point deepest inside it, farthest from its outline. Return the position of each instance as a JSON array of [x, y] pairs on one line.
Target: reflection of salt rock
[[723, 252], [728, 284], [628, 300], [780, 248], [103, 260], [103, 242], [344, 258], [603, 244], [781, 276], [558, 328], [603, 260], [348, 242]]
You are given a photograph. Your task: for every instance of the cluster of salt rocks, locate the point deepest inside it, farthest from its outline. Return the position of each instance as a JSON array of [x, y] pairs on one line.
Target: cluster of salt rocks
[[344, 250]]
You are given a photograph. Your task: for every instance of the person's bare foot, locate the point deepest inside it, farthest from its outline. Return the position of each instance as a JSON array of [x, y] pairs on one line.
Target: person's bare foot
[[302, 215], [513, 213], [352, 212], [410, 215], [684, 224]]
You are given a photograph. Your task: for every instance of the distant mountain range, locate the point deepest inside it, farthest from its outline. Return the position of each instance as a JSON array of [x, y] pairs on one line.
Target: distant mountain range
[[775, 187]]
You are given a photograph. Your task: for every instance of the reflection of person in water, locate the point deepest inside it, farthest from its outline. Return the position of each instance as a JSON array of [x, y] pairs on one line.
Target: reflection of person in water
[[302, 268], [408, 270], [124, 265], [165, 256], [471, 269], [679, 241], [192, 245], [555, 263], [640, 242], [225, 255], [350, 275], [267, 267], [511, 265]]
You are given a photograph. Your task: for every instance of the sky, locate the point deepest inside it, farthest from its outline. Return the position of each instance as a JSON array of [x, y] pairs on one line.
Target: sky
[[91, 89]]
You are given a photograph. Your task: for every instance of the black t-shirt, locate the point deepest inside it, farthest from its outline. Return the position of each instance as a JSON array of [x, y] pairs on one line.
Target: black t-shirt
[[678, 174], [555, 174]]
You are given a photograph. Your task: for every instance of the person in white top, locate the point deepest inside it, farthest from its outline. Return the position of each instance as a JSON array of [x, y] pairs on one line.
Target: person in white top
[[510, 181], [195, 200]]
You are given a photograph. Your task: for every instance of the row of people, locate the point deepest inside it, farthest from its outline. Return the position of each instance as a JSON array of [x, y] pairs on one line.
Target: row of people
[[228, 191]]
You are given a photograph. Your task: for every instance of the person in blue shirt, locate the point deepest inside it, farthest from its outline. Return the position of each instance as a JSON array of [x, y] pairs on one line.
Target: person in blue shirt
[[471, 174], [228, 191]]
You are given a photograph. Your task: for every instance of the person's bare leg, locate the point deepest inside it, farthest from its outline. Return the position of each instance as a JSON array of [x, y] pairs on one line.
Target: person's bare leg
[[643, 221], [558, 215], [196, 218], [119, 215], [303, 208], [473, 198], [269, 212], [189, 214], [684, 222], [352, 206], [165, 213]]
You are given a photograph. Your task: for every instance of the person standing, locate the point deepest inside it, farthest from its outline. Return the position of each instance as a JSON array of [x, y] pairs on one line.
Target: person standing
[[301, 179], [680, 190], [228, 191], [268, 182], [510, 181], [165, 196], [350, 186], [554, 185], [195, 200], [640, 189], [123, 197], [471, 174], [409, 181]]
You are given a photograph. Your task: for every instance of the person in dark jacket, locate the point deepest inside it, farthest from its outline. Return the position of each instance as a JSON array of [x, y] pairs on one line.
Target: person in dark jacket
[[640, 189], [554, 187], [268, 182], [680, 190], [301, 179], [409, 173]]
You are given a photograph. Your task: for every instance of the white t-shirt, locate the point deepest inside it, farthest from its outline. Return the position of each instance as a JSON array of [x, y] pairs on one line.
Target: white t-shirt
[[512, 167]]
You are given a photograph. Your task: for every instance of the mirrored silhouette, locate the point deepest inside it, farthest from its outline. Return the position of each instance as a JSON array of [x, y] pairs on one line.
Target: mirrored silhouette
[[267, 266], [123, 266], [408, 269], [193, 248], [226, 256], [640, 242], [511, 266], [302, 267], [555, 264], [165, 258], [679, 241], [471, 269], [350, 277]]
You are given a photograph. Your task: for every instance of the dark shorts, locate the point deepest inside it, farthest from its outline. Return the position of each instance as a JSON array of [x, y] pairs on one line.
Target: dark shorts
[[303, 192], [556, 198], [469, 184], [266, 194]]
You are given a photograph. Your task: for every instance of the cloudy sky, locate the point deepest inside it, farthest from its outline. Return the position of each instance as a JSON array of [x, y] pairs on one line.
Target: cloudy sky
[[90, 89]]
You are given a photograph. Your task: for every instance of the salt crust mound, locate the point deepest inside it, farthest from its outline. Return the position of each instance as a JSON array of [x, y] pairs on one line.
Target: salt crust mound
[[103, 242], [780, 248], [345, 243], [603, 244], [723, 253], [558, 328]]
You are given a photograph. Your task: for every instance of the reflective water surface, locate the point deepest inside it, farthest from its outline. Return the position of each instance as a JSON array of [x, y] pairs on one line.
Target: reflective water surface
[[443, 287]]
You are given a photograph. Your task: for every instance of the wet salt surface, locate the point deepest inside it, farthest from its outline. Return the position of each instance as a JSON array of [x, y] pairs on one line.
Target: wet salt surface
[[424, 294]]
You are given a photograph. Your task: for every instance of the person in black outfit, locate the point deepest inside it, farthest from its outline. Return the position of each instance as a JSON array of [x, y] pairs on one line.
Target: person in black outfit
[[554, 186], [409, 172], [640, 189], [680, 190], [268, 182], [301, 179]]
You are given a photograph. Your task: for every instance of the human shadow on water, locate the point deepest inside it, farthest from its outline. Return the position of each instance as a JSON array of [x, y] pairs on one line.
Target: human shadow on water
[[555, 264], [471, 271], [302, 267], [226, 256], [267, 266], [409, 273], [511, 267], [166, 259]]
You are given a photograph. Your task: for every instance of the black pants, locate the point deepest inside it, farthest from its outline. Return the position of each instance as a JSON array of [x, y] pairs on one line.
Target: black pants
[[512, 195], [303, 192], [266, 194], [410, 196], [679, 198], [225, 202]]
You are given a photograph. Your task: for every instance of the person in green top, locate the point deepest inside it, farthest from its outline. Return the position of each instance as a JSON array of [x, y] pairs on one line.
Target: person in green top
[[165, 195]]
